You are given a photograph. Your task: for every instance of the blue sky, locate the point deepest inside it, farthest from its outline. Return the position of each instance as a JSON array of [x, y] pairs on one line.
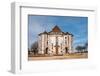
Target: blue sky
[[76, 25]]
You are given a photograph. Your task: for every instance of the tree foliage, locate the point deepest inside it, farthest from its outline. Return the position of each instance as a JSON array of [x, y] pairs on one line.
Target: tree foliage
[[34, 47], [79, 48], [82, 48]]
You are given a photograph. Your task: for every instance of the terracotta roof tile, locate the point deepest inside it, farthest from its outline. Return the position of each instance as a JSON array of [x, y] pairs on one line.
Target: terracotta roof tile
[[56, 29]]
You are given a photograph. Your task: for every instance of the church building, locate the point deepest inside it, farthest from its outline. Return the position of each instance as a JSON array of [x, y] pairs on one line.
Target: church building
[[55, 42]]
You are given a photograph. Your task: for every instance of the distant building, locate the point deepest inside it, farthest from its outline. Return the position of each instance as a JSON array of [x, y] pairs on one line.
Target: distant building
[[55, 42]]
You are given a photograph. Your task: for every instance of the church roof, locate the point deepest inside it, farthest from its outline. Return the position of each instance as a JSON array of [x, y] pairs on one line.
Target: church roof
[[67, 33], [45, 32], [56, 29]]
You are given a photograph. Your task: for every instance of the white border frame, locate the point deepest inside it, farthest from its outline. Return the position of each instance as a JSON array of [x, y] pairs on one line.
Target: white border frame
[[16, 61]]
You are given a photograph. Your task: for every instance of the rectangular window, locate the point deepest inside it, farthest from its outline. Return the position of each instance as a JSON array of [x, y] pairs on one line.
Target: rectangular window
[[52, 45], [61, 45], [65, 40]]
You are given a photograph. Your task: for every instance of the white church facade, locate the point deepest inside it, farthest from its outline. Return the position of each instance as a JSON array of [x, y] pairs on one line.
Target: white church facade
[[55, 42]]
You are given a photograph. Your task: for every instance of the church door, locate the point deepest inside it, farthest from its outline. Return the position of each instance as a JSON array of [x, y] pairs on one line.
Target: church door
[[66, 49], [46, 52]]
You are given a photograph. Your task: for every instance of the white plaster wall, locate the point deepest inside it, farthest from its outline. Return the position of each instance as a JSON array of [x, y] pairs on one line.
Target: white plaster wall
[[52, 42]]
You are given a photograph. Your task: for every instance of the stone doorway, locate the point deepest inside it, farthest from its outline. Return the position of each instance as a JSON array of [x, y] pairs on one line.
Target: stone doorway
[[66, 50], [46, 50]]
